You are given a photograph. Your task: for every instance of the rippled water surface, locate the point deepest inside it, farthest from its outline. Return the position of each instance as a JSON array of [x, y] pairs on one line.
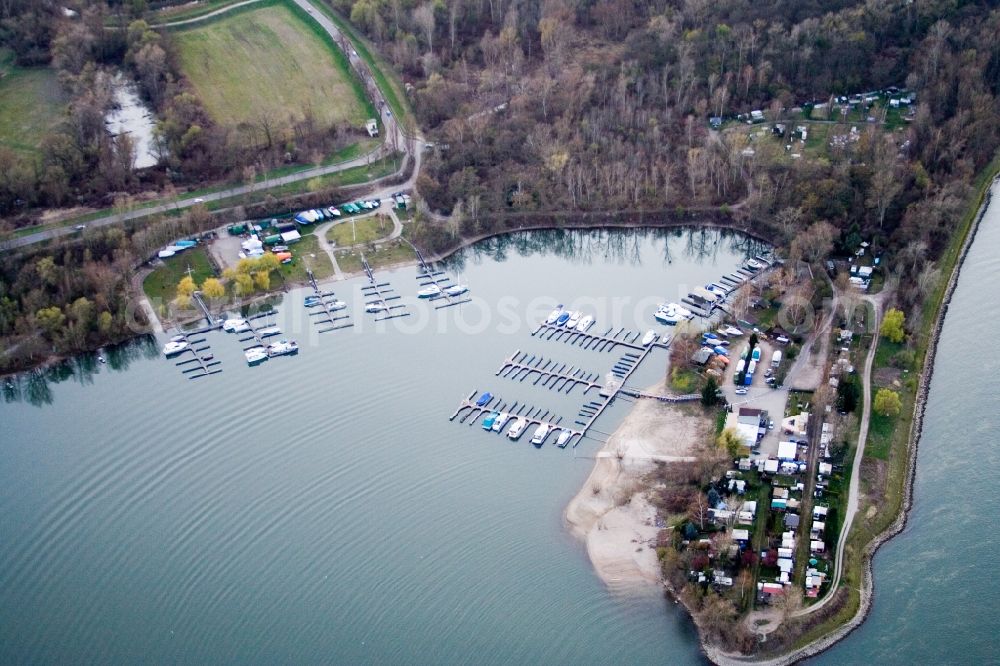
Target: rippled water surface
[[322, 508]]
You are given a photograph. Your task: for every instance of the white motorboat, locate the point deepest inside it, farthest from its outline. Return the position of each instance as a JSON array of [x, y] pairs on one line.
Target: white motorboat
[[283, 348], [456, 290], [230, 325], [374, 308], [754, 265], [563, 439], [732, 330], [585, 323], [649, 338], [517, 429], [174, 347], [429, 292], [336, 305], [554, 315], [541, 432], [256, 355], [574, 319], [500, 421], [269, 331]]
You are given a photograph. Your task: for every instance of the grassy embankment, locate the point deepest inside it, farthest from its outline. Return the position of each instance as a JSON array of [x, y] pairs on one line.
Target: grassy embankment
[[267, 64], [306, 254], [356, 231], [161, 285], [386, 78], [389, 253], [890, 441], [31, 103]]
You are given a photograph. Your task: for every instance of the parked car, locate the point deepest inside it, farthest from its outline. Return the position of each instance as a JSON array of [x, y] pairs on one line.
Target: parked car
[[782, 339], [741, 391]]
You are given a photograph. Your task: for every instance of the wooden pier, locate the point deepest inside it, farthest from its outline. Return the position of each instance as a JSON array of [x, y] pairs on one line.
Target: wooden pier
[[548, 373], [200, 364], [323, 314], [381, 293], [592, 341], [534, 416]]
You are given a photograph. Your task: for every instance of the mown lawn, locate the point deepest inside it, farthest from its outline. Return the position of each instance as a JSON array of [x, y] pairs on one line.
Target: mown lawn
[[306, 254], [364, 230], [387, 254], [31, 103], [267, 66], [161, 285]]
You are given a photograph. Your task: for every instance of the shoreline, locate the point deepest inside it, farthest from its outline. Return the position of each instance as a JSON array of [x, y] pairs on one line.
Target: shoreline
[[824, 643], [611, 513]]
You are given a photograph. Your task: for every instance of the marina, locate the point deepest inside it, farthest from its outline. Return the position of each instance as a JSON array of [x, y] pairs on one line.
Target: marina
[[548, 373], [381, 298], [471, 412], [438, 285], [325, 311], [592, 341], [197, 358]]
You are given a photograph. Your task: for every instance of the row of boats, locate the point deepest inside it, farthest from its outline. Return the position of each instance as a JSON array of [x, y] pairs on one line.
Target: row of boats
[[434, 290], [259, 354], [496, 420], [672, 313], [570, 319]]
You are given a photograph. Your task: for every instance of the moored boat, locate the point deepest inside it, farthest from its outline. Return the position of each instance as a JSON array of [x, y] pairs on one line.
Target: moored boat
[[648, 338], [585, 323], [283, 348], [255, 355], [336, 305], [500, 421], [541, 432], [489, 420], [174, 347], [563, 439], [429, 292], [554, 315], [456, 290], [312, 301], [574, 319], [517, 429], [563, 318], [484, 399], [375, 307]]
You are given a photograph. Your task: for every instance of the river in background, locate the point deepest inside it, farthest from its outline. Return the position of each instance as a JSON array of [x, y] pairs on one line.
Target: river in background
[[322, 508], [935, 591]]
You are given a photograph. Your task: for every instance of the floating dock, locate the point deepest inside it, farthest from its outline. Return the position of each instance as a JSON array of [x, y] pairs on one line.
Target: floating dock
[[201, 362], [260, 329], [548, 373], [468, 412], [428, 275], [322, 314], [592, 341], [381, 293]]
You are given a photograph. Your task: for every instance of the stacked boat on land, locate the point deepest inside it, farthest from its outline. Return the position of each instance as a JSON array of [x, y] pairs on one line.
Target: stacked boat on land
[[570, 319]]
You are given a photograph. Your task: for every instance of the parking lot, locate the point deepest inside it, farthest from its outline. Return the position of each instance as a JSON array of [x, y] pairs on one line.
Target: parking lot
[[759, 395]]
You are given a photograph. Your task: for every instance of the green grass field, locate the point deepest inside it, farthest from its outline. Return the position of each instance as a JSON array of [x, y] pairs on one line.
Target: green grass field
[[306, 254], [31, 103], [268, 64], [365, 230], [161, 285]]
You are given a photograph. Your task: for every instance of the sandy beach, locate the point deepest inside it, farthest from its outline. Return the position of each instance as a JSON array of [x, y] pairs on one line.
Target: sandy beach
[[611, 513]]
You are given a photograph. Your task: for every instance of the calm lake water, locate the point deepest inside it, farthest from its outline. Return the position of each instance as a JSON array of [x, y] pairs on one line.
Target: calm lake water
[[935, 592], [322, 508]]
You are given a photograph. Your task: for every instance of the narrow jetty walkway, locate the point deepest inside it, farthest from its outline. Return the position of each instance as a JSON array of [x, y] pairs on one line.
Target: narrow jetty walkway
[[550, 374], [534, 416], [381, 293], [201, 362], [428, 275], [323, 313], [592, 341], [687, 397], [260, 330]]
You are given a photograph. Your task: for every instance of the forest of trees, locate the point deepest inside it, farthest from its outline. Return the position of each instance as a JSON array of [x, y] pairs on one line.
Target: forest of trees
[[79, 162], [607, 104]]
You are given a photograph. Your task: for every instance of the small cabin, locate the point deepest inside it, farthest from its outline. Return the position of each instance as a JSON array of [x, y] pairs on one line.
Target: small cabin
[[372, 126]]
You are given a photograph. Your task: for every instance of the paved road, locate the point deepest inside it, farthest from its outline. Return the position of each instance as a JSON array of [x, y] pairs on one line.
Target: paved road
[[853, 497], [394, 138]]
